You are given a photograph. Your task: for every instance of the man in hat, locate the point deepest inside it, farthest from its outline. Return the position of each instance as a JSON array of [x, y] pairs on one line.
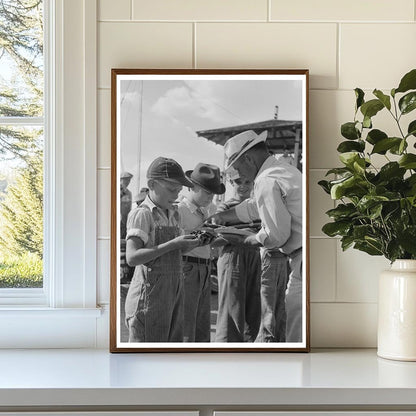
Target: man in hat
[[125, 201], [155, 242], [194, 209], [277, 201]]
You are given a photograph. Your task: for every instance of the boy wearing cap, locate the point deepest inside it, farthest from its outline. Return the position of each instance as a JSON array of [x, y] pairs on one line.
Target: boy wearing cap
[[194, 210], [154, 302], [277, 202]]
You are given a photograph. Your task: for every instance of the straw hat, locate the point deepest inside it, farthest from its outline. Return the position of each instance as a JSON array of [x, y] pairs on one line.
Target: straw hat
[[236, 146]]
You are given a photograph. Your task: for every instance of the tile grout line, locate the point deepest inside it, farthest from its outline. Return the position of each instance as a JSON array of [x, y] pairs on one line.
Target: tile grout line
[[338, 63], [336, 271], [306, 22], [344, 302], [194, 62], [131, 9], [269, 11]]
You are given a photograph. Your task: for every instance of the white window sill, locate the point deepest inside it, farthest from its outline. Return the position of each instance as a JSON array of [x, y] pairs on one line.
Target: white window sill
[[35, 311], [331, 379], [40, 327]]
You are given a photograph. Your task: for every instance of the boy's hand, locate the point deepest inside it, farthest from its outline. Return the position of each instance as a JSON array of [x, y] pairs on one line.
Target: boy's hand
[[220, 218], [186, 242], [251, 240], [205, 236]]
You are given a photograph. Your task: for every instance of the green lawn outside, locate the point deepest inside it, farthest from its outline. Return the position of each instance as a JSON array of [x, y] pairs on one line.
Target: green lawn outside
[[24, 271]]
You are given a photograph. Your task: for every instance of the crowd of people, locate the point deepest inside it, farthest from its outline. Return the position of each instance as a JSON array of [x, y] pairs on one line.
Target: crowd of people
[[169, 296]]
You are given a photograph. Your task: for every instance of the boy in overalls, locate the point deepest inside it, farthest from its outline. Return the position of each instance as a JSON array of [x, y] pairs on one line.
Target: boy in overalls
[[154, 302], [194, 209]]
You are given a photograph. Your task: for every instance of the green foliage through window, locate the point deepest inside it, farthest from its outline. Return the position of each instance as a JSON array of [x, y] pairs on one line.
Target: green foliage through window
[[21, 144]]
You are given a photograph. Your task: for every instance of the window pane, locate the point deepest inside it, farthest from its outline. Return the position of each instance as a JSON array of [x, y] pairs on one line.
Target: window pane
[[21, 208], [21, 145], [21, 58]]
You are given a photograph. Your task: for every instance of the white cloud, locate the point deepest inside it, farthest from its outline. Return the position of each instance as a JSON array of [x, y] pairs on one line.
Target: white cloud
[[191, 101]]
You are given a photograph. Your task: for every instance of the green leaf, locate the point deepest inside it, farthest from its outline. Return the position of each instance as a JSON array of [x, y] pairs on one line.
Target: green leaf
[[336, 228], [411, 180], [411, 130], [398, 150], [369, 248], [411, 184], [349, 131], [359, 95], [407, 240], [408, 102], [325, 186], [342, 211], [375, 212], [391, 170], [348, 158], [367, 122], [348, 187], [393, 250], [385, 99], [383, 145], [408, 82], [361, 231], [338, 189], [375, 135], [369, 201], [346, 242], [338, 171], [349, 146], [359, 165], [408, 161], [371, 108]]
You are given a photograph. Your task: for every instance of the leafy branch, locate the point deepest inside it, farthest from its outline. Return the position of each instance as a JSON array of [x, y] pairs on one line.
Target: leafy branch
[[376, 210]]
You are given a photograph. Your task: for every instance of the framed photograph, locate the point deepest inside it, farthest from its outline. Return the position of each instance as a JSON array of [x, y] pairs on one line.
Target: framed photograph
[[209, 211]]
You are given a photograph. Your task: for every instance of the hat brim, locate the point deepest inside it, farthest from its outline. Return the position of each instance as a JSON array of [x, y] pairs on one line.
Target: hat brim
[[262, 137], [185, 182], [217, 190], [181, 180]]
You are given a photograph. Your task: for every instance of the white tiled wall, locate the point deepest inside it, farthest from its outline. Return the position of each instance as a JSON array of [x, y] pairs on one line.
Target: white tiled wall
[[345, 44]]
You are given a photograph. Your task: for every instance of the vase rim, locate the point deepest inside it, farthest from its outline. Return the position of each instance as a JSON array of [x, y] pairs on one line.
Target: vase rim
[[404, 264]]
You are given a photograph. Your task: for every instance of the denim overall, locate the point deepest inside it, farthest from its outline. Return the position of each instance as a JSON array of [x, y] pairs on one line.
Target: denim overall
[[274, 276], [154, 303], [239, 307]]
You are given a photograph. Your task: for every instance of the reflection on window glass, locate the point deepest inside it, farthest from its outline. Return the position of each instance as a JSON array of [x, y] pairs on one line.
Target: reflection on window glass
[[21, 143]]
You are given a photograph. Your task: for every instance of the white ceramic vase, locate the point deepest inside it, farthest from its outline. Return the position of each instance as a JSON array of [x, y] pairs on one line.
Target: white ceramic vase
[[397, 312]]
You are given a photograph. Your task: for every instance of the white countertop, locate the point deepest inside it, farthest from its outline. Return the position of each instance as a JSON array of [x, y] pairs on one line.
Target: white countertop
[[96, 377]]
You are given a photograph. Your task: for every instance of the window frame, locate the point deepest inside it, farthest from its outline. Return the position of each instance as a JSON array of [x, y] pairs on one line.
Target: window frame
[[68, 299]]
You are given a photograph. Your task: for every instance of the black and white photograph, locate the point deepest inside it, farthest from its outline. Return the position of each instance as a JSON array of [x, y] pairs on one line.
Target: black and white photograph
[[209, 210]]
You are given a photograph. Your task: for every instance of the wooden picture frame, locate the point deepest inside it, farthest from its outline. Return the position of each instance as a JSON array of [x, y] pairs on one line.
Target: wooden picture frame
[[188, 115]]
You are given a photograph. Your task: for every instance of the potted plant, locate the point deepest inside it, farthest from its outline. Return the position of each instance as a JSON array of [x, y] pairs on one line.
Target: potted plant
[[376, 209]]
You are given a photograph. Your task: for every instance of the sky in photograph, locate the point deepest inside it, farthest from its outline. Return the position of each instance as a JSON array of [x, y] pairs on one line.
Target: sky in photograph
[[161, 117]]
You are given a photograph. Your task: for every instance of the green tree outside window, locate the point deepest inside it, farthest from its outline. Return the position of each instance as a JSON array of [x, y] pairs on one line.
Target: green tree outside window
[[21, 143]]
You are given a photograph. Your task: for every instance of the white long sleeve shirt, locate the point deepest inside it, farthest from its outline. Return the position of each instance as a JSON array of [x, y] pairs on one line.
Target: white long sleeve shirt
[[277, 202], [191, 220]]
